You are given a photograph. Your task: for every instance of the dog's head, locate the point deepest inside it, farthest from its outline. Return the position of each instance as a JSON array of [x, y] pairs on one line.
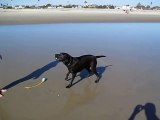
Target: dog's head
[[63, 57]]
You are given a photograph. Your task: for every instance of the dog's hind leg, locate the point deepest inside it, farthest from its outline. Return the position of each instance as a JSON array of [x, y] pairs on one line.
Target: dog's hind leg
[[98, 76], [93, 69], [71, 83], [89, 71], [66, 78]]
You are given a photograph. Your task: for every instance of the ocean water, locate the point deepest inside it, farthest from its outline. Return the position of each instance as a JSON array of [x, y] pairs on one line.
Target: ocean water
[[135, 37], [139, 41]]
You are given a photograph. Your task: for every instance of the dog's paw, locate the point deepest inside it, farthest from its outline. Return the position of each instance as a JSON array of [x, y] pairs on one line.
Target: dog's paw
[[96, 81], [68, 86], [66, 78], [1, 95], [89, 75]]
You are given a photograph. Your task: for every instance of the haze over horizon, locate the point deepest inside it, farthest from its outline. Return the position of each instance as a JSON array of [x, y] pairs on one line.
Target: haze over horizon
[[81, 2]]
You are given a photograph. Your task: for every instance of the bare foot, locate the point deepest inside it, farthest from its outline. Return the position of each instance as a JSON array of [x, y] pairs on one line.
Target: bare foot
[[3, 90], [1, 95]]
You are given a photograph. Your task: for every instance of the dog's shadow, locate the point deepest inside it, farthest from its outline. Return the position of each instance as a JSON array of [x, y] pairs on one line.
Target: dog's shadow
[[84, 73], [35, 74]]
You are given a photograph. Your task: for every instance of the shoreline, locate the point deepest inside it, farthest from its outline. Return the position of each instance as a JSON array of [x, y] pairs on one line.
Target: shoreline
[[49, 16]]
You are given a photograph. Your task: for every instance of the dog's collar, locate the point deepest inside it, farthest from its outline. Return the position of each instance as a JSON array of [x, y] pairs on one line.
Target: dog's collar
[[70, 62]]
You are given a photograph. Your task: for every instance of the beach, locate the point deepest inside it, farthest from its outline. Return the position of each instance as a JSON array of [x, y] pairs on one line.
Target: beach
[[43, 16], [29, 40]]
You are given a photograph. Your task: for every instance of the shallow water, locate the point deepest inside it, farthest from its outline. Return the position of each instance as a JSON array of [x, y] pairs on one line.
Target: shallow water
[[131, 48], [135, 37]]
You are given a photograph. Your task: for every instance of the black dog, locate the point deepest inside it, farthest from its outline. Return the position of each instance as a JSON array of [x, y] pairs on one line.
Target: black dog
[[76, 64]]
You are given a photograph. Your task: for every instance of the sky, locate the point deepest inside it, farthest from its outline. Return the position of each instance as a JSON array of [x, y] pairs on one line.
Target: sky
[[81, 2]]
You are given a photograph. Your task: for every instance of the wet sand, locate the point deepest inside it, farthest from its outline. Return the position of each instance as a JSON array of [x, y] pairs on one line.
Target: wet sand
[[28, 51], [75, 16]]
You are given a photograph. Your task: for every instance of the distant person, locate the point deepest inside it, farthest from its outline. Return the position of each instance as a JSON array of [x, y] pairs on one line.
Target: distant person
[[2, 90], [127, 11]]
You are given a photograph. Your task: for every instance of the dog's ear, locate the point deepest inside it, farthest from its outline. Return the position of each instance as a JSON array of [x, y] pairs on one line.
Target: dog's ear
[[64, 54], [0, 56]]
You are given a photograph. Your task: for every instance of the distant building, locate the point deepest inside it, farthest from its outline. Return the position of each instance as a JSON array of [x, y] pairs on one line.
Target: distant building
[[126, 7], [60, 7], [50, 7], [19, 7], [133, 9], [118, 7], [79, 6], [156, 8]]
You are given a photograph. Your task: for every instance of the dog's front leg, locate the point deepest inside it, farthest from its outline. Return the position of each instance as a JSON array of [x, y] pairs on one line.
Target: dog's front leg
[[71, 83], [66, 78]]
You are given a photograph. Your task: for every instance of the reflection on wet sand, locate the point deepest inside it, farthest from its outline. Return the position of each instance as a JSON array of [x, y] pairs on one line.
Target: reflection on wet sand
[[76, 100]]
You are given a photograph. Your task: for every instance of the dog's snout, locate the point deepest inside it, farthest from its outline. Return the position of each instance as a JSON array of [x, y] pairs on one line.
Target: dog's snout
[[59, 57], [56, 56]]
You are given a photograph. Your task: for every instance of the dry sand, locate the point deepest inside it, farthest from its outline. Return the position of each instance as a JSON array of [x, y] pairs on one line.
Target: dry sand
[[75, 15]]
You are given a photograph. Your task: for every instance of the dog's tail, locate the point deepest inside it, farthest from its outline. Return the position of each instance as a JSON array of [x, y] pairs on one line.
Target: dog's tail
[[100, 56]]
